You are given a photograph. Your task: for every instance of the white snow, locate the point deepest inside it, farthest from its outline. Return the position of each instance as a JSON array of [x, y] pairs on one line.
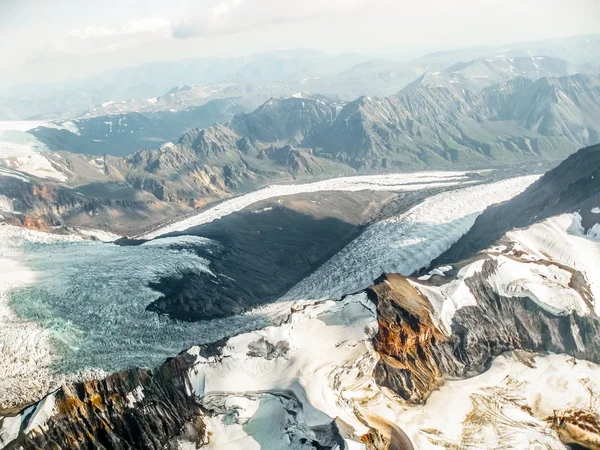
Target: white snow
[[70, 126], [20, 125], [595, 210], [561, 239], [547, 285], [504, 407], [450, 297], [101, 235], [10, 429], [258, 211], [67, 125], [533, 274], [6, 204], [393, 182], [42, 412], [437, 271], [38, 165], [594, 232], [23, 154], [326, 342], [11, 173], [135, 396], [329, 367]]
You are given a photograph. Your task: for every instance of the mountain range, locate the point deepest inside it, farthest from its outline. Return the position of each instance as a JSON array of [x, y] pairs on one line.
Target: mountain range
[[310, 137], [284, 73]]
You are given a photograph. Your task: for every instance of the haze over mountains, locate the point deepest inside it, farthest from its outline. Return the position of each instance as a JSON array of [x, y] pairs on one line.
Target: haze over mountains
[[277, 73], [194, 144]]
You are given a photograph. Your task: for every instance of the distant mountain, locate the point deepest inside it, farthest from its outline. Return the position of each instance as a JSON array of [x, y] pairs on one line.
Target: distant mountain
[[583, 49], [121, 134], [431, 126], [285, 120], [179, 98], [274, 73], [268, 69], [308, 137], [426, 127], [209, 164], [480, 73]]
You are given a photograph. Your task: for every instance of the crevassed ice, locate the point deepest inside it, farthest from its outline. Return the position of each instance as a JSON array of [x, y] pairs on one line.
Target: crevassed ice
[[85, 302], [405, 243]]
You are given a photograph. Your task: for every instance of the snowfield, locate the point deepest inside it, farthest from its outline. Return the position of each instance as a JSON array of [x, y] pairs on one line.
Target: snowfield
[[562, 239], [325, 366], [533, 268], [22, 152], [391, 182], [322, 357]]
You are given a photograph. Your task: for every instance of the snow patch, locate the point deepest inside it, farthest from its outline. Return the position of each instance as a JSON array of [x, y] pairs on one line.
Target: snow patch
[[6, 204], [561, 239]]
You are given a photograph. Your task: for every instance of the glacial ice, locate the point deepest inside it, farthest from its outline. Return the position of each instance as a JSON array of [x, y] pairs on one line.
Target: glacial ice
[[405, 243], [389, 182], [77, 309]]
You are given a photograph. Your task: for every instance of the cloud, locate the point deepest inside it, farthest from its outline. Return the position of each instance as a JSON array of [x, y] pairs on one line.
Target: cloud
[[140, 26], [234, 16]]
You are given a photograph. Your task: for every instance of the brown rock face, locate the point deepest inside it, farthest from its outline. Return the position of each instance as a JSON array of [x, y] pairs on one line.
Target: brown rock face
[[143, 409], [577, 427], [405, 340], [416, 354]]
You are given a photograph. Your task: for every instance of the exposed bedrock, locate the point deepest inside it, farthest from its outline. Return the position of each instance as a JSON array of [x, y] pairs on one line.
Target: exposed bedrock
[[416, 354], [406, 339], [135, 408]]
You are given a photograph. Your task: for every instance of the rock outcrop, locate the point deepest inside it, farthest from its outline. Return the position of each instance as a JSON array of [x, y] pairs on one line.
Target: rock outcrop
[[417, 354], [143, 409]]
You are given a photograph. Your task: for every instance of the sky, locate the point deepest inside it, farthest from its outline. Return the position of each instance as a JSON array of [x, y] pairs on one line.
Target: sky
[[54, 40]]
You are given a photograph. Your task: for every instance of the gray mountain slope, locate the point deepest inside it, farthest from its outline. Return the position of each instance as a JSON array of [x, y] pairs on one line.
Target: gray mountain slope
[[430, 126], [122, 134], [572, 186]]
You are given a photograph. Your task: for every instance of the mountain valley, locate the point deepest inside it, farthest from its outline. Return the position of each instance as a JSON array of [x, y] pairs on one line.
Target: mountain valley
[[300, 250]]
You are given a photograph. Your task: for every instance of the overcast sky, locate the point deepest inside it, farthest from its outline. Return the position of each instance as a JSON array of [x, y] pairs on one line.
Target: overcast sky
[[61, 39]]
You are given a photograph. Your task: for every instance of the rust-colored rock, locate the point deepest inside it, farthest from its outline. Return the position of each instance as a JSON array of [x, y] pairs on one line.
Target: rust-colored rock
[[405, 340], [577, 427], [131, 409]]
